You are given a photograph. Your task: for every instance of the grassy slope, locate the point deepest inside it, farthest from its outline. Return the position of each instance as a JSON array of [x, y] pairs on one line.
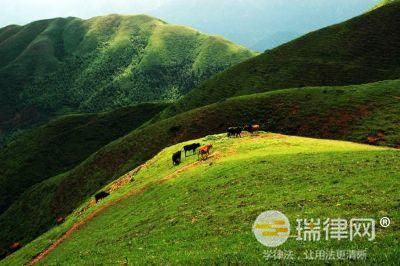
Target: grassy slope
[[61, 144], [202, 212], [385, 2], [8, 31], [67, 64], [361, 50], [348, 113]]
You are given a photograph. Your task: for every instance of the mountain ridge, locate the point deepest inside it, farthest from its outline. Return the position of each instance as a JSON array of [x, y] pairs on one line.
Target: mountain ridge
[[66, 65], [361, 50], [384, 2]]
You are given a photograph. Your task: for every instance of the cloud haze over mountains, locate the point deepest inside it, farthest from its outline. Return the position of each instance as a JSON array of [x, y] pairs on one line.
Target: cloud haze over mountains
[[258, 24]]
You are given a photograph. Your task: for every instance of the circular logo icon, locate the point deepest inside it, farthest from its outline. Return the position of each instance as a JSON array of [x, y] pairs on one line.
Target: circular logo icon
[[271, 228], [385, 222]]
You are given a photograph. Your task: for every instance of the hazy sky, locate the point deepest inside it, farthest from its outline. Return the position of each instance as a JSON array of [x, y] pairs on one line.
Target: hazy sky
[[24, 11], [247, 22]]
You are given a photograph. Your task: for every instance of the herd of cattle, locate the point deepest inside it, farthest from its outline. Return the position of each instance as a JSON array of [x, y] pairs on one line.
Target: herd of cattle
[[203, 153], [237, 131]]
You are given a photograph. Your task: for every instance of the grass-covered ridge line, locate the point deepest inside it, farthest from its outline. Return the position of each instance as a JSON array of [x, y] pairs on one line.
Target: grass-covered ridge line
[[364, 113], [385, 2], [61, 144], [361, 50], [63, 65], [203, 212]]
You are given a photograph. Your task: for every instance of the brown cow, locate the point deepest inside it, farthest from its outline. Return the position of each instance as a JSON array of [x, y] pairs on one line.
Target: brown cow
[[252, 128], [204, 151], [15, 246], [59, 220]]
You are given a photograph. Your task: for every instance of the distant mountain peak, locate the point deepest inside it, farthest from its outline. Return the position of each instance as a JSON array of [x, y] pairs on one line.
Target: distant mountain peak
[[64, 65]]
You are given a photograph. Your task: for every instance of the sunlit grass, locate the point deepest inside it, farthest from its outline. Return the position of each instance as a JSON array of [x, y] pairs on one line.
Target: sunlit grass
[[204, 213]]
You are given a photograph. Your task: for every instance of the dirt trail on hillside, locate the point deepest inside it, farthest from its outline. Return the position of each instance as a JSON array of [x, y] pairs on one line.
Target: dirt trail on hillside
[[100, 210]]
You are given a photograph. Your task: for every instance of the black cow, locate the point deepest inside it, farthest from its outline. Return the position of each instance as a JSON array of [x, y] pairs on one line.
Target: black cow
[[177, 157], [235, 131], [101, 195], [191, 147]]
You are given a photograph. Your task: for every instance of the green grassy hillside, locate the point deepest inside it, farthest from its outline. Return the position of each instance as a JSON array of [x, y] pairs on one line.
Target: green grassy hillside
[[203, 212], [385, 2], [67, 65], [361, 50], [8, 31], [61, 144], [364, 113]]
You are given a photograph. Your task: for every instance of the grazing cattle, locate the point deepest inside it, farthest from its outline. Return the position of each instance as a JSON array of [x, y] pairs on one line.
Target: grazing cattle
[[234, 131], [176, 158], [252, 128], [15, 246], [204, 152], [59, 220], [101, 195], [191, 147]]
